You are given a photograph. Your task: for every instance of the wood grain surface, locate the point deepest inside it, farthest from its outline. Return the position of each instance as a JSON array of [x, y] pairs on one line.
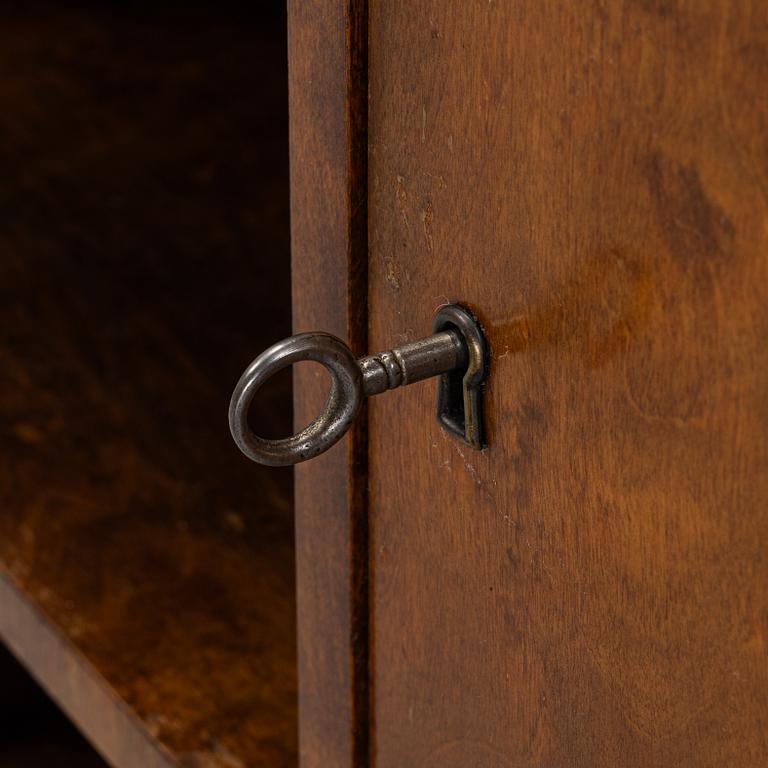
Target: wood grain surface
[[592, 180], [147, 567], [328, 123]]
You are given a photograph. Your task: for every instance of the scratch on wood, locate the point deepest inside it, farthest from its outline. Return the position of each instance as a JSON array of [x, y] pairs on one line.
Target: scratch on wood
[[444, 301], [402, 199], [426, 218], [391, 273]]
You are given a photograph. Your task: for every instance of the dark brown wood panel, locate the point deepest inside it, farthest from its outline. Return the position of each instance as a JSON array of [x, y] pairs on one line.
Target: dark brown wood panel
[[592, 180], [328, 123], [146, 566]]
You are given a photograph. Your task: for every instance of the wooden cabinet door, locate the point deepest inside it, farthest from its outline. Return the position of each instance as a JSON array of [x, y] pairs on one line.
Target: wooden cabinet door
[[591, 179]]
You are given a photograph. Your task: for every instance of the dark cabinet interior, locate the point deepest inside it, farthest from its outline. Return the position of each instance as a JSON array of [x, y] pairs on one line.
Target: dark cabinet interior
[[144, 260], [35, 733]]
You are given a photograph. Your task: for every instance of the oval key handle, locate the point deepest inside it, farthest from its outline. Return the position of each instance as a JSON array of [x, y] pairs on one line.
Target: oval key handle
[[456, 351]]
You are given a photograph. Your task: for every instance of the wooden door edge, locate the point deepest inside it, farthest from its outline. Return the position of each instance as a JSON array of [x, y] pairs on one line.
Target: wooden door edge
[[328, 97]]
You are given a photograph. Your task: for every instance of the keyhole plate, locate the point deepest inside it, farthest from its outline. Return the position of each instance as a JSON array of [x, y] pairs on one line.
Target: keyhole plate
[[460, 392]]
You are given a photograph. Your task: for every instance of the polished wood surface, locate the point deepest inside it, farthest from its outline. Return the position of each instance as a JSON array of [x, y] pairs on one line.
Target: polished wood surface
[[147, 567], [591, 179], [328, 122]]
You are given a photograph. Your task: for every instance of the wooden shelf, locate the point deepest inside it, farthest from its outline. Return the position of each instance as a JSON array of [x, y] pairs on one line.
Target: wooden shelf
[[35, 734], [147, 568]]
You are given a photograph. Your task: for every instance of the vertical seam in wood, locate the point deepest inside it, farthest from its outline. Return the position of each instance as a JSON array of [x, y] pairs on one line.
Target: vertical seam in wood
[[357, 297]]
